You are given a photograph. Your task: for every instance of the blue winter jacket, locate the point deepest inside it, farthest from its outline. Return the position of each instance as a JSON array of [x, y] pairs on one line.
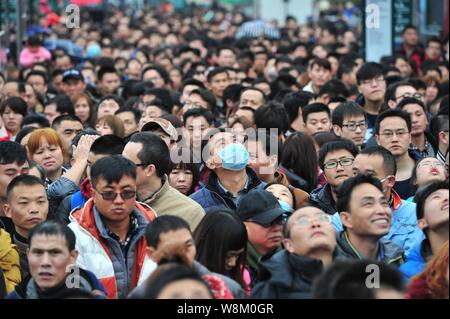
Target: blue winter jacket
[[404, 230], [415, 263], [212, 196]]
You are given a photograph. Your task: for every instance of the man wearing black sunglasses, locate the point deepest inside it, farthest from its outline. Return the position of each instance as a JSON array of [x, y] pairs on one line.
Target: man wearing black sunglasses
[[110, 228]]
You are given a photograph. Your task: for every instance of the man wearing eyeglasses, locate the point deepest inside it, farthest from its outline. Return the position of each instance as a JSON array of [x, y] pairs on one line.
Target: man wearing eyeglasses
[[366, 216], [310, 242], [336, 161], [396, 92], [110, 228], [379, 163], [263, 217], [393, 132], [349, 122]]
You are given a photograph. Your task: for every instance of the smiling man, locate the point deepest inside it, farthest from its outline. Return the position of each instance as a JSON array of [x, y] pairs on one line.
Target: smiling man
[[27, 206], [310, 241], [366, 216], [110, 228]]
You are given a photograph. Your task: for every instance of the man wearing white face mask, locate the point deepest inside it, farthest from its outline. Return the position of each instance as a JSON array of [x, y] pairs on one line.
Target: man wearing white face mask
[[380, 163], [230, 178]]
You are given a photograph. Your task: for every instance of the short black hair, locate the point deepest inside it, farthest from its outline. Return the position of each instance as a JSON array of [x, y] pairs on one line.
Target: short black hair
[[136, 113], [411, 100], [423, 195], [65, 117], [393, 113], [102, 169], [392, 89], [346, 279], [12, 152], [345, 190], [369, 71], [161, 70], [334, 146], [334, 88], [191, 81], [36, 118], [106, 69], [272, 115], [113, 97], [63, 104], [38, 73], [53, 228], [161, 225], [16, 104], [346, 110], [438, 123], [408, 27], [24, 179], [315, 108], [345, 68], [163, 96], [171, 271], [197, 112], [295, 100], [24, 132], [324, 63], [206, 96], [108, 145], [216, 71], [435, 40], [389, 162], [154, 152]]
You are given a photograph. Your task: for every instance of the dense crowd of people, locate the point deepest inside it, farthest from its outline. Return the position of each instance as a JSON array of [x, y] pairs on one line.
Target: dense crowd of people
[[156, 154]]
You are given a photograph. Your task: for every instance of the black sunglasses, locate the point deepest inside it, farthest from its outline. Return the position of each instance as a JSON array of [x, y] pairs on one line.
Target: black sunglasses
[[110, 196]]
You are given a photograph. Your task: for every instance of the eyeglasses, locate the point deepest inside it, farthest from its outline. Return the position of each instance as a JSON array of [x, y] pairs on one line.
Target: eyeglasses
[[390, 134], [342, 162], [307, 221], [111, 196], [279, 221], [386, 178], [376, 81], [417, 96], [353, 126], [430, 164]]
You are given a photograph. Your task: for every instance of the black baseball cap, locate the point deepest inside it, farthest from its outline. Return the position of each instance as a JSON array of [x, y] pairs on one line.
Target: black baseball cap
[[72, 74], [260, 206]]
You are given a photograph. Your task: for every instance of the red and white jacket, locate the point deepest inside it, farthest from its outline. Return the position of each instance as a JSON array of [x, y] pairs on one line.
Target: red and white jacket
[[94, 255]]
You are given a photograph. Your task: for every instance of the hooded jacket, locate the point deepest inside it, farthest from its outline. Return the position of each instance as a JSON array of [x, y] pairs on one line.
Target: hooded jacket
[[322, 199], [211, 196], [287, 276], [9, 261], [416, 261]]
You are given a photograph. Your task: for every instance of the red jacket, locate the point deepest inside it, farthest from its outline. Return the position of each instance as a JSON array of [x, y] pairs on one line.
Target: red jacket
[[94, 254]]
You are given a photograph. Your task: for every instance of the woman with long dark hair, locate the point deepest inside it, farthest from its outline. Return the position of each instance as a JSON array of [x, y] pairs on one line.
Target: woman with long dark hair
[[299, 161], [221, 242]]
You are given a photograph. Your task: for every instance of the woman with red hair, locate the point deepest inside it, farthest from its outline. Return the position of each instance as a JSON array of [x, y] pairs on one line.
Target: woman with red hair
[[432, 283]]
